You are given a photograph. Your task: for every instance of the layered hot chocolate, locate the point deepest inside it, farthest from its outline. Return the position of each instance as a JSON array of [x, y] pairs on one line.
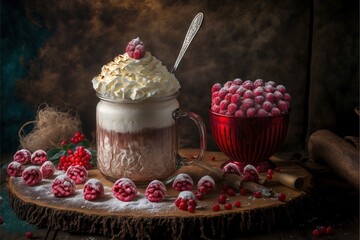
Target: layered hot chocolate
[[136, 131]]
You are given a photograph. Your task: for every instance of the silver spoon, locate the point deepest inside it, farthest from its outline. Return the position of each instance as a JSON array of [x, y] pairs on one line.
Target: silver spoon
[[193, 29]]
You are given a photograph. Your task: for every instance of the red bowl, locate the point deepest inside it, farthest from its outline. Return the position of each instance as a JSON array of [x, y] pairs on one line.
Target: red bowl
[[250, 140]]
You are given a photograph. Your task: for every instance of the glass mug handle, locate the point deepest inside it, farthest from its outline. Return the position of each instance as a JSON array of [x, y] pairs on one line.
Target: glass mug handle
[[181, 161]]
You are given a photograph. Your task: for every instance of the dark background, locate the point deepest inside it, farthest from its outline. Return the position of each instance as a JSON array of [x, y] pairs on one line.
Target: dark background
[[50, 51]]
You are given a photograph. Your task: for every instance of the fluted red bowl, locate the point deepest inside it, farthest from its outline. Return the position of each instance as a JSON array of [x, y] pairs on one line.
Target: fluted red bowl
[[250, 140]]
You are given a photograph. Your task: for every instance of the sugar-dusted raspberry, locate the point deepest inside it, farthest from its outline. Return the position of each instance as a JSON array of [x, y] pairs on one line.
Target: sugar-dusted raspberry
[[93, 189], [250, 173], [258, 91], [185, 199], [39, 157], [269, 88], [155, 191], [258, 83], [223, 92], [283, 106], [271, 83], [22, 156], [248, 94], [77, 173], [216, 87], [223, 112], [259, 99], [262, 112], [247, 103], [47, 169], [287, 97], [231, 168], [63, 186], [239, 113], [275, 111], [270, 97], [228, 84], [182, 182], [228, 97], [248, 84], [251, 112], [240, 91], [15, 169], [215, 108], [31, 176], [217, 100], [235, 98], [281, 88], [237, 81], [124, 189], [224, 104], [267, 106], [231, 109], [207, 183], [278, 95], [233, 88], [135, 49]]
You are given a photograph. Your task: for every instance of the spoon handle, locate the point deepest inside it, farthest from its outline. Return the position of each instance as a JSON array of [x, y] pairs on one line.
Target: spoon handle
[[193, 29]]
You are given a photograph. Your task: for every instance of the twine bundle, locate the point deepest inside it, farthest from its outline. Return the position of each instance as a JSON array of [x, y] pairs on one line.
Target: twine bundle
[[50, 128]]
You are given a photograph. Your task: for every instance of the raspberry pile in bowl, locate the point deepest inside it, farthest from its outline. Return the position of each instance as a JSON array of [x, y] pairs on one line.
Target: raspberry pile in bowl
[[249, 120], [250, 99]]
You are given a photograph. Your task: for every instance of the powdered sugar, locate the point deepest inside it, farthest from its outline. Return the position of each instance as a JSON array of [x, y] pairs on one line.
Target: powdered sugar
[[108, 202]]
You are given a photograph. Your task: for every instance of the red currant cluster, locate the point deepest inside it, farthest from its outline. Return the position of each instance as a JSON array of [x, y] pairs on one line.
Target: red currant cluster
[[78, 137], [80, 157]]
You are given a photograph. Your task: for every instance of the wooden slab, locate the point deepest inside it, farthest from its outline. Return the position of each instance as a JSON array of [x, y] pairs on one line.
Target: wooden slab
[[141, 218]]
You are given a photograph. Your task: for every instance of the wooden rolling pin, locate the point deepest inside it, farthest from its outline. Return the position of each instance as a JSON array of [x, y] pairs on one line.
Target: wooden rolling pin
[[340, 156]]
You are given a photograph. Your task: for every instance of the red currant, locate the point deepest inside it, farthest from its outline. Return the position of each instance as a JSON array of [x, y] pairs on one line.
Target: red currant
[[329, 230], [243, 191], [222, 199], [237, 204], [257, 194], [228, 206], [29, 235], [191, 209], [281, 197], [212, 158], [269, 176], [230, 192], [316, 232], [216, 207]]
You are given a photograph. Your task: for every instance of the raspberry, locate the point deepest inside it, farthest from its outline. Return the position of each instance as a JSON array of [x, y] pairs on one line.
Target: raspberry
[[281, 88], [258, 82], [215, 207], [228, 97], [240, 91], [31, 176], [248, 94], [223, 92], [77, 173], [217, 100], [222, 199], [15, 169], [224, 104], [215, 94], [228, 84], [38, 157], [259, 99], [182, 182], [235, 98], [216, 87], [22, 156], [239, 113], [232, 108], [247, 103], [287, 97], [251, 112], [257, 194], [275, 111], [248, 84], [237, 81], [237, 204], [269, 88], [206, 182], [278, 95], [243, 191], [271, 83], [282, 105], [93, 189], [155, 191], [258, 91], [233, 89], [135, 49], [63, 186], [185, 199], [262, 112], [267, 106], [215, 108], [270, 97], [228, 206], [47, 169], [124, 189], [281, 197]]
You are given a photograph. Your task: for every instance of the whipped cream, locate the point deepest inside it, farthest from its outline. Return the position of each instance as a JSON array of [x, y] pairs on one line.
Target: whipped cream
[[135, 79]]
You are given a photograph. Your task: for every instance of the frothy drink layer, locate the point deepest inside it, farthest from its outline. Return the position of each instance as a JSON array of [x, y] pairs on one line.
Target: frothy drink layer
[[142, 156], [135, 117]]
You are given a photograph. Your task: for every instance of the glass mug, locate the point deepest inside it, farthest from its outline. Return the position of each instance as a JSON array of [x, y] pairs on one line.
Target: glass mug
[[139, 139]]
